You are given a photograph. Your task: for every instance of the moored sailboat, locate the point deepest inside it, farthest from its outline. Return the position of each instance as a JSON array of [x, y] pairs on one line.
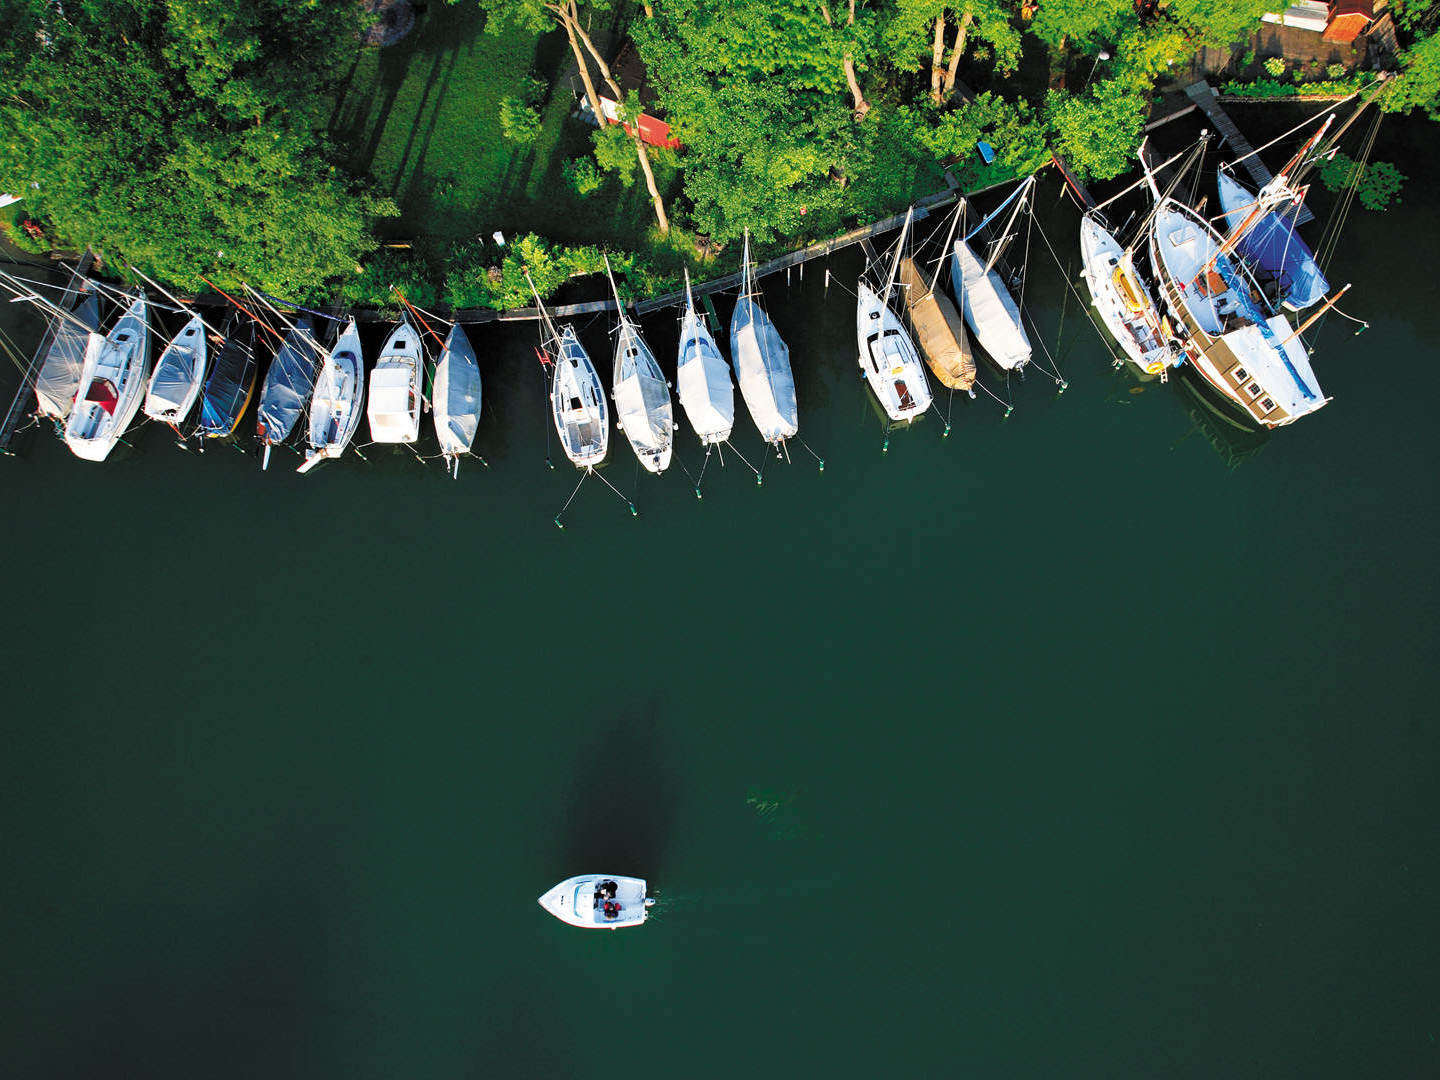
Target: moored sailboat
[[1255, 359], [643, 409], [1273, 248], [990, 311], [702, 378], [455, 398], [888, 358], [1123, 301], [394, 406], [577, 397], [231, 382], [178, 375], [939, 329], [287, 387], [58, 381], [336, 404], [112, 385], [762, 363]]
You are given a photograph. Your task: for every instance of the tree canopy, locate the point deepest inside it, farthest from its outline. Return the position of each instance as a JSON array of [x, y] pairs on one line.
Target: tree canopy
[[183, 135]]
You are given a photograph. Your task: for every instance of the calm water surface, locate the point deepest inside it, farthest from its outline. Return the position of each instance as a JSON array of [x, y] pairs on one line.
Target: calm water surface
[[1090, 742]]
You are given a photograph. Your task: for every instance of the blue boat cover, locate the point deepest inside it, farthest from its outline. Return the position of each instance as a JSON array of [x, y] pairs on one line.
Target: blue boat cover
[[227, 389], [1274, 247]]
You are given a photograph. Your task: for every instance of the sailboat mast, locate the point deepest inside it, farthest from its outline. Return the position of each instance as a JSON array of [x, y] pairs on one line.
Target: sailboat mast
[[746, 285], [689, 299], [1311, 320], [544, 315], [615, 291], [949, 237], [51, 309], [1005, 233], [895, 262]]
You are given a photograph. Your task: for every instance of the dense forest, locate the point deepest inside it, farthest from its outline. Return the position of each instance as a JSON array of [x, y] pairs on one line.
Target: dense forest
[[192, 138]]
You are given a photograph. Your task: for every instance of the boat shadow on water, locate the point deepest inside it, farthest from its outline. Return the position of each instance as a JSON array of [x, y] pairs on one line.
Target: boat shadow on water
[[622, 798], [1234, 437]]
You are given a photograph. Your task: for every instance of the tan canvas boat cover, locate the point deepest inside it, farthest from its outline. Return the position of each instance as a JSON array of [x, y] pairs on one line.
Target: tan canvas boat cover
[[939, 330]]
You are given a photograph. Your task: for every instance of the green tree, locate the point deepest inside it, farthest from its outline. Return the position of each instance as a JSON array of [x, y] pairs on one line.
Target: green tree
[[163, 132], [1098, 132], [1418, 84]]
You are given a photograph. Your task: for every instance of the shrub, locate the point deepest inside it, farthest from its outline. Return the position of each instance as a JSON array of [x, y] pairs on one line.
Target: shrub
[[615, 152], [582, 175], [403, 270], [1336, 71], [519, 121], [1275, 67]]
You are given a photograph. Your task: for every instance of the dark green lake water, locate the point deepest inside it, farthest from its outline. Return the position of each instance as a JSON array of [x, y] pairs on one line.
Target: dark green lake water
[[1060, 747]]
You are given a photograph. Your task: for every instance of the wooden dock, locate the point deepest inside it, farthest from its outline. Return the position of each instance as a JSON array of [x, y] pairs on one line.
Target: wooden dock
[[1201, 93], [20, 405]]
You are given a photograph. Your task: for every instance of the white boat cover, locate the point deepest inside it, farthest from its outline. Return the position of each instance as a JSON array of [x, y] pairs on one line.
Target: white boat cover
[[456, 394], [577, 403], [989, 309], [702, 381], [288, 383], [762, 368], [889, 358], [178, 374], [642, 400], [59, 378]]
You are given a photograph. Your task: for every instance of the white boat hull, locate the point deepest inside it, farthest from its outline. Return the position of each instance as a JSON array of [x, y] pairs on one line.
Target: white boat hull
[[577, 403], [762, 371], [456, 393], [335, 406], [889, 359], [395, 388], [112, 386], [575, 901], [178, 375], [1138, 332]]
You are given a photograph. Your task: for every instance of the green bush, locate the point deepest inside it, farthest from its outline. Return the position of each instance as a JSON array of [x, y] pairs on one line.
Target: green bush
[[615, 152], [1275, 67], [374, 284], [582, 175], [519, 121], [1336, 71]]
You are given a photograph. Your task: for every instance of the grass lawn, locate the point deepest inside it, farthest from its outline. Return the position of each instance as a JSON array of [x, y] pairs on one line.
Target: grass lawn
[[422, 117]]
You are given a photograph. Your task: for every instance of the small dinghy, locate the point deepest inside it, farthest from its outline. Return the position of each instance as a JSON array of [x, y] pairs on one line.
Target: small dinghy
[[231, 382], [1123, 302], [455, 398], [990, 311], [599, 901], [762, 363], [337, 403], [702, 378], [112, 385], [643, 409], [288, 385], [888, 358], [394, 407], [178, 374], [59, 380]]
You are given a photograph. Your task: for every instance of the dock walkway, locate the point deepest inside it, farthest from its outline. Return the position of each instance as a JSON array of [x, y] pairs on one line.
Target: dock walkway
[[1201, 93]]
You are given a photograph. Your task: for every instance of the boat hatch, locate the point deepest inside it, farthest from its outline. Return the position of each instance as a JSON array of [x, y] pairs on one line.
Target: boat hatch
[[1182, 237], [903, 393], [102, 392], [400, 345], [122, 338]]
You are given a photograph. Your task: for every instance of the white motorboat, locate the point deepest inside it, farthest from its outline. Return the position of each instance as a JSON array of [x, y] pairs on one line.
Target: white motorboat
[[643, 409], [112, 385], [455, 398], [1124, 303], [989, 309], [702, 378], [395, 391], [179, 373], [599, 901], [888, 357], [762, 363], [335, 406]]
